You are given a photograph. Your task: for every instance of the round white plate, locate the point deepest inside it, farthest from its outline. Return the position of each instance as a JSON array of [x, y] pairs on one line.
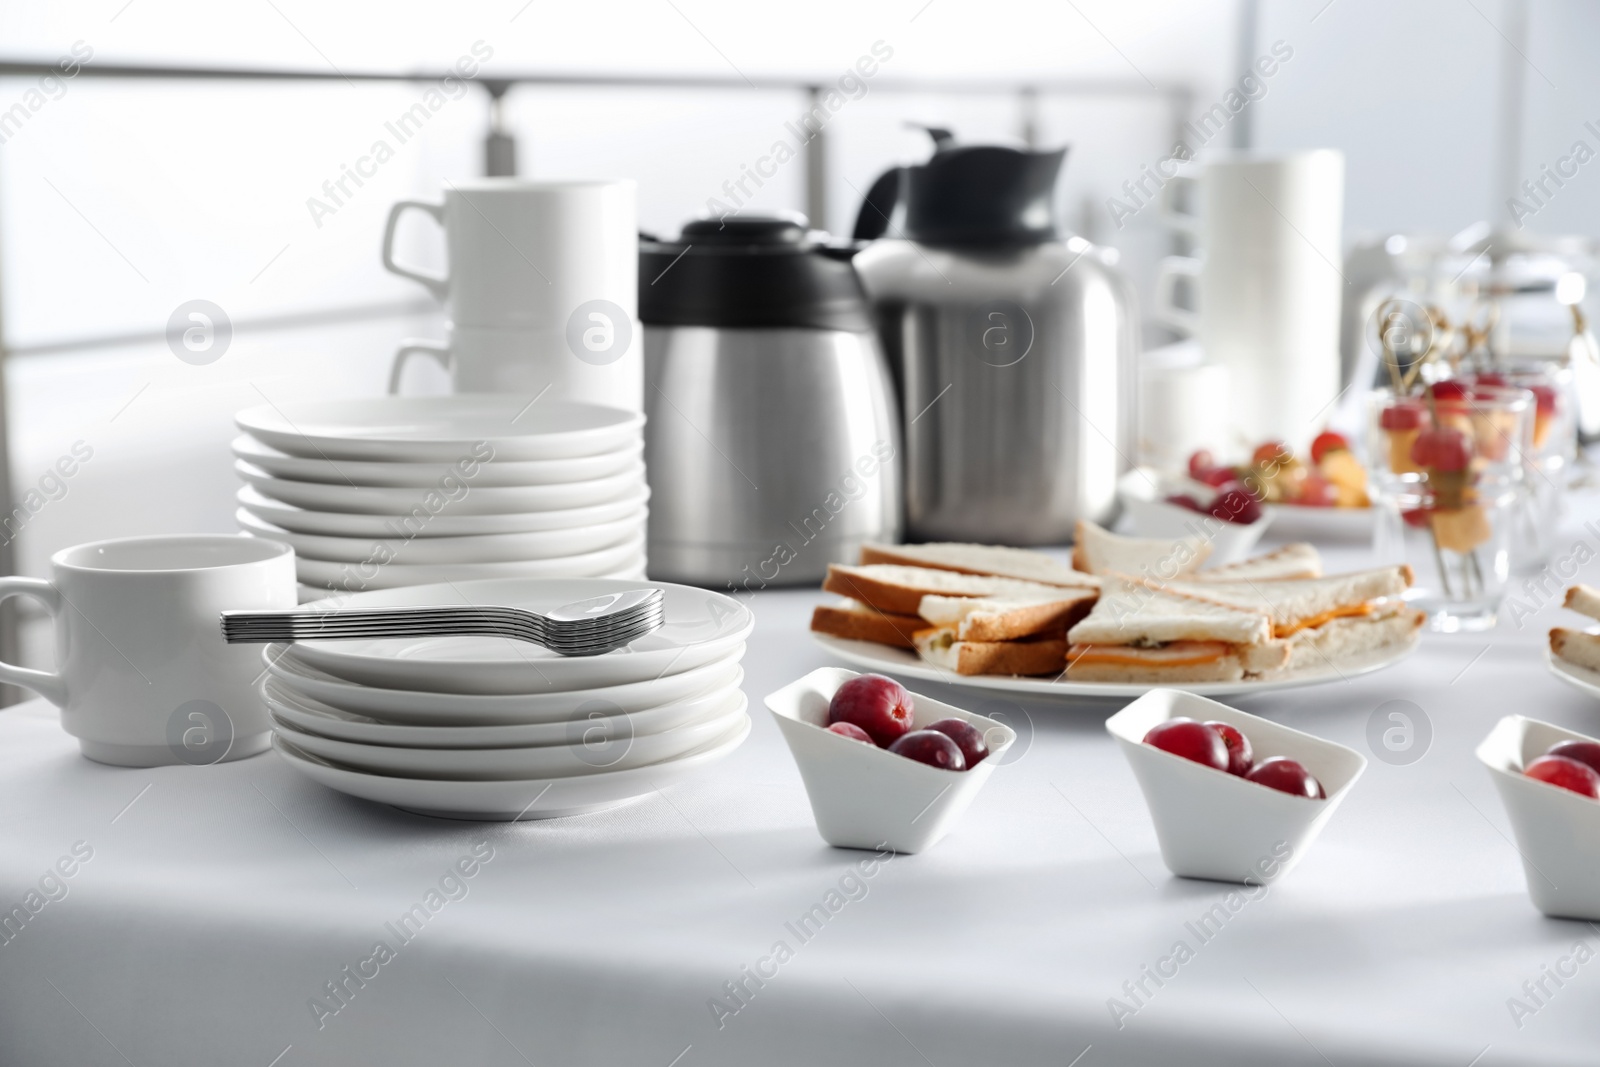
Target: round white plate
[[444, 710], [461, 497], [488, 548], [512, 801], [594, 752], [1580, 678], [336, 575], [422, 475], [446, 522], [1295, 522], [439, 429], [700, 626], [631, 571], [314, 717], [899, 661]]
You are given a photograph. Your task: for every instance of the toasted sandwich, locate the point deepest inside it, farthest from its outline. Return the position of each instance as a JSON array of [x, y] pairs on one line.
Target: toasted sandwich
[[941, 647], [858, 622], [995, 561], [1577, 647], [1291, 561], [1099, 551], [899, 589], [1140, 632]]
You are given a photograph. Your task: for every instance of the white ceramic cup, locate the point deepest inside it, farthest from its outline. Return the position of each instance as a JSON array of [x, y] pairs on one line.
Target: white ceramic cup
[[143, 676], [1269, 289], [604, 367], [530, 254]]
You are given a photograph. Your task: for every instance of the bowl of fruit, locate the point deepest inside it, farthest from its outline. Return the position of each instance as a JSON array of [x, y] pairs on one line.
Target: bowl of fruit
[[1226, 515], [1322, 492], [1549, 782], [883, 767], [1234, 797]]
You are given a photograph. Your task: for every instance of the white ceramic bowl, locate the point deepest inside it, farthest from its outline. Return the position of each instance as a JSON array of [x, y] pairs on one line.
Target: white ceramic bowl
[[401, 475], [1558, 831], [410, 707], [313, 717], [594, 749], [1216, 825], [863, 796], [1143, 492]]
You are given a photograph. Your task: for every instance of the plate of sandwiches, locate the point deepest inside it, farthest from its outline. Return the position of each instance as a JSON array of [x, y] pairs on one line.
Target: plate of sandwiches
[[1128, 614], [1574, 655]]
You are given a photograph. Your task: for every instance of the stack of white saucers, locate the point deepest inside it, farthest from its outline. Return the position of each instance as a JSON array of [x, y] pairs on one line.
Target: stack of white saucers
[[495, 729], [384, 492]]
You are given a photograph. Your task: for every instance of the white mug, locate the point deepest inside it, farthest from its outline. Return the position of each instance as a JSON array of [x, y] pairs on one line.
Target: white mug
[[1269, 287], [602, 364], [144, 678], [531, 254]]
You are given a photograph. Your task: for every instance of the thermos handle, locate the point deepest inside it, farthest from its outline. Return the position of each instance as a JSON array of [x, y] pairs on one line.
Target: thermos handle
[[439, 287], [413, 347], [1166, 308]]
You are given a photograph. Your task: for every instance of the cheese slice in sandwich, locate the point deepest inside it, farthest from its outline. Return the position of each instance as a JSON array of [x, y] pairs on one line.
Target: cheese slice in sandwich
[[1141, 632], [1298, 560], [899, 589], [1008, 618], [995, 560], [1099, 551], [942, 648], [1295, 604], [1584, 599], [858, 622], [1576, 647]]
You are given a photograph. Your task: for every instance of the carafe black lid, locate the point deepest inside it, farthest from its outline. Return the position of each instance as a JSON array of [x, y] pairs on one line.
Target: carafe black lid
[[750, 271]]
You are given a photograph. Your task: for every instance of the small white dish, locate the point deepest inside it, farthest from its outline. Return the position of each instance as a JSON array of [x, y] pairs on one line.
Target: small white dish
[[1296, 522], [593, 749], [700, 626], [408, 707], [443, 522], [440, 429], [513, 801], [1220, 826], [1557, 830], [313, 717], [492, 471], [397, 575], [488, 548], [460, 496], [863, 796], [1143, 492]]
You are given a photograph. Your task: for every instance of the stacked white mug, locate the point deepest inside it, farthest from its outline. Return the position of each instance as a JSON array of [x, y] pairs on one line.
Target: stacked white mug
[[1269, 287], [541, 292]]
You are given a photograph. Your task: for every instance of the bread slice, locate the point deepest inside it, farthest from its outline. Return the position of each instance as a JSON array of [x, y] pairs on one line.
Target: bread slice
[[1576, 647], [858, 622], [995, 560], [1176, 663], [1584, 599], [899, 589], [1298, 560], [1099, 551], [1296, 603], [1007, 618], [1340, 640], [1131, 612], [940, 647]]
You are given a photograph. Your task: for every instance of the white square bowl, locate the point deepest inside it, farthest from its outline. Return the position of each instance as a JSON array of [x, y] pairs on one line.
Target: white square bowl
[[864, 796], [1220, 826], [1558, 831]]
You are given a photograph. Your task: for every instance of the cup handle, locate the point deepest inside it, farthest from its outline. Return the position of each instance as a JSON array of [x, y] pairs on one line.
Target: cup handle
[[439, 287], [1166, 309], [47, 684], [1182, 221], [409, 348]]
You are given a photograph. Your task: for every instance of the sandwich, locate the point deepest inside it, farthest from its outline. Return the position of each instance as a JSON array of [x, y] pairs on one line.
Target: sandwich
[[996, 561], [899, 589], [1097, 550], [941, 647], [1138, 631], [858, 622], [1577, 647], [1298, 560]]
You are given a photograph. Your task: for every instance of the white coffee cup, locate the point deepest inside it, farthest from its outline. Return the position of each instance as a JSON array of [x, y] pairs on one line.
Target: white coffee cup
[[1269, 288], [530, 254], [144, 678], [601, 364]]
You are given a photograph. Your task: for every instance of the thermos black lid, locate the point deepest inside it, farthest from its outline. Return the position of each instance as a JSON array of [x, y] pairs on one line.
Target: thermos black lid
[[750, 271]]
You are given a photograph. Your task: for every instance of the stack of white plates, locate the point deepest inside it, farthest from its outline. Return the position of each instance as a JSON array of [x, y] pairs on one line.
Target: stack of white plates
[[384, 492], [495, 729]]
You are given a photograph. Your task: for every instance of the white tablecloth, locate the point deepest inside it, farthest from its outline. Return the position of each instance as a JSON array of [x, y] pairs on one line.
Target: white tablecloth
[[217, 905]]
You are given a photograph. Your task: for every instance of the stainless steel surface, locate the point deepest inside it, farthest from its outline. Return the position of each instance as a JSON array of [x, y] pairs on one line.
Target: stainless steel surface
[[770, 453], [584, 628], [1016, 371]]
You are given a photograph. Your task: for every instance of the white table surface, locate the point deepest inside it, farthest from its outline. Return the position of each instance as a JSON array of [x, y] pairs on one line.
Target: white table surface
[[220, 900]]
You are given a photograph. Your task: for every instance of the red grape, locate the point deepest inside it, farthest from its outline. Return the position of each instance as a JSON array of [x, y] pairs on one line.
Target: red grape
[[1239, 755], [1567, 774], [1317, 492], [1270, 452], [1450, 389], [1191, 740], [1286, 776], [967, 737], [1586, 752], [1403, 415], [1184, 500], [1545, 397], [1201, 461], [1217, 476], [930, 747], [1235, 504], [852, 731], [880, 706], [1442, 448], [1326, 442]]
